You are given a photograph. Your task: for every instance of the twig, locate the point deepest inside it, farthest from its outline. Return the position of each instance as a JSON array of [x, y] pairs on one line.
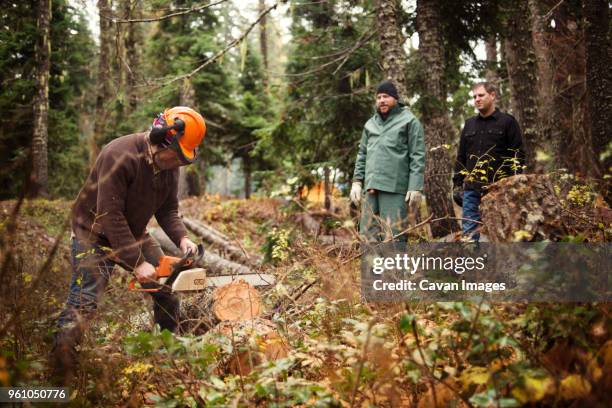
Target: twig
[[164, 17], [430, 372], [364, 350], [231, 45], [358, 44], [394, 237], [552, 10]]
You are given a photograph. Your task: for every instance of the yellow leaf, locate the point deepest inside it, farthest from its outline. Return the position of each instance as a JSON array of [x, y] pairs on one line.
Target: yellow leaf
[[520, 235], [542, 156], [27, 278], [574, 386], [138, 368], [533, 389], [475, 375]]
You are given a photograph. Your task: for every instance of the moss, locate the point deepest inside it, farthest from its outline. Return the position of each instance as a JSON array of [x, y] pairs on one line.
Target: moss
[[50, 214]]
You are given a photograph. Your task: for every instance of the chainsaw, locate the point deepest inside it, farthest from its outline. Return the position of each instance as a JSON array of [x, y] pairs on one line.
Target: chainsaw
[[179, 275]]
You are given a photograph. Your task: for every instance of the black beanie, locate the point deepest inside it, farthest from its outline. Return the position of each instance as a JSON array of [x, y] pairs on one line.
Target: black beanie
[[389, 88]]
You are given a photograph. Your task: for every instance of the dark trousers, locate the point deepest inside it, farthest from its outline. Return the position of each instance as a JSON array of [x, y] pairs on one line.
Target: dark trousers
[[91, 270], [471, 213]]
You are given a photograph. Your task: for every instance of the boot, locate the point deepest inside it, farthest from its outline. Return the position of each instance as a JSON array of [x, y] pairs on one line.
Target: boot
[[64, 358]]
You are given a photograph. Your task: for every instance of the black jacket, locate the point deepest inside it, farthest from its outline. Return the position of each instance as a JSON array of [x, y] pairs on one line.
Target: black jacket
[[490, 149]]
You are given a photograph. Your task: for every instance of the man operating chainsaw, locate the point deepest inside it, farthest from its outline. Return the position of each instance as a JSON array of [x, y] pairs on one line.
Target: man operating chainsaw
[[135, 177]]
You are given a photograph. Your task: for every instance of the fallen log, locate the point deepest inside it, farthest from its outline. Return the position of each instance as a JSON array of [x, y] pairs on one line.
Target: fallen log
[[308, 223], [212, 262], [522, 208], [214, 237]]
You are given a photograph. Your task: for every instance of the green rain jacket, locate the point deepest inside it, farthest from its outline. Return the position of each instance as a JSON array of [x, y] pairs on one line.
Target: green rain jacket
[[391, 153]]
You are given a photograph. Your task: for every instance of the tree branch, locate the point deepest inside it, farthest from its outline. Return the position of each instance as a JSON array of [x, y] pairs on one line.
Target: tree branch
[[164, 17]]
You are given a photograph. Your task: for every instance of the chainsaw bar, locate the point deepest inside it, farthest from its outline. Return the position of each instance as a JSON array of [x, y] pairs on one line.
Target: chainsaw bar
[[196, 279]]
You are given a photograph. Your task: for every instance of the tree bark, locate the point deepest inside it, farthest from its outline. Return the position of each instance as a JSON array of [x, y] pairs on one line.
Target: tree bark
[[263, 40], [544, 61], [598, 78], [491, 55], [39, 178], [327, 187], [393, 57], [212, 236], [436, 122], [560, 51], [133, 38], [522, 75], [187, 98], [103, 87]]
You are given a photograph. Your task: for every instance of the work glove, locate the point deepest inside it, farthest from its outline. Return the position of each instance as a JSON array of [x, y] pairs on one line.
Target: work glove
[[413, 197], [355, 192]]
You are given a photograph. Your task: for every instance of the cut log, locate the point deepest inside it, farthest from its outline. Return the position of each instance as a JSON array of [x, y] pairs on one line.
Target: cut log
[[522, 208], [212, 262], [214, 237], [236, 301], [255, 341]]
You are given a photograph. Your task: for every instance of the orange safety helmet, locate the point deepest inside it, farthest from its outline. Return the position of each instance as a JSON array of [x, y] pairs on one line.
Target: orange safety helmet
[[188, 141]]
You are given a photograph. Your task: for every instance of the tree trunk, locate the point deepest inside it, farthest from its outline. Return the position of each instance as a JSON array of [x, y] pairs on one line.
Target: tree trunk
[[263, 41], [133, 38], [39, 178], [393, 57], [246, 166], [437, 124], [522, 75], [187, 98], [103, 88], [561, 66], [491, 52], [544, 61], [598, 78], [327, 188]]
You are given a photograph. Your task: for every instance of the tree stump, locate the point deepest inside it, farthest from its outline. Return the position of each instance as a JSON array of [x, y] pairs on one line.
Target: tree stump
[[522, 208], [236, 301], [254, 341]]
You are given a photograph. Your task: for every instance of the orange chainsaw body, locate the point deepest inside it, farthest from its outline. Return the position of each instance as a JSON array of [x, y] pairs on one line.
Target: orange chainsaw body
[[166, 265]]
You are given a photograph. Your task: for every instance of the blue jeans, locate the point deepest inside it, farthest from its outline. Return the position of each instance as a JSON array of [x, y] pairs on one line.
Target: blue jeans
[[91, 270], [471, 211]]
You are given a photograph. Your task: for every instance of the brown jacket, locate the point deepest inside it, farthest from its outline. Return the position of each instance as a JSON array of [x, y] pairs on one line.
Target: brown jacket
[[121, 194]]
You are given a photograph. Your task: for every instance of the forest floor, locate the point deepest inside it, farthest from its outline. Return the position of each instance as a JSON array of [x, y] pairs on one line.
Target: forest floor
[[336, 349]]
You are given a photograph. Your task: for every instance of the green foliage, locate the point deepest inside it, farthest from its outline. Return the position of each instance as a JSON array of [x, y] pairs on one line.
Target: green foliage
[[71, 53], [329, 94], [277, 246]]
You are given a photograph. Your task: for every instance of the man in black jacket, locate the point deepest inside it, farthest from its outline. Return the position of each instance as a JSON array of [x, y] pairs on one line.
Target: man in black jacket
[[490, 148]]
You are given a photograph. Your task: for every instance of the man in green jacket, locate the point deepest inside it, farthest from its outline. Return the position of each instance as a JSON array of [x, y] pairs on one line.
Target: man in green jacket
[[389, 167]]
